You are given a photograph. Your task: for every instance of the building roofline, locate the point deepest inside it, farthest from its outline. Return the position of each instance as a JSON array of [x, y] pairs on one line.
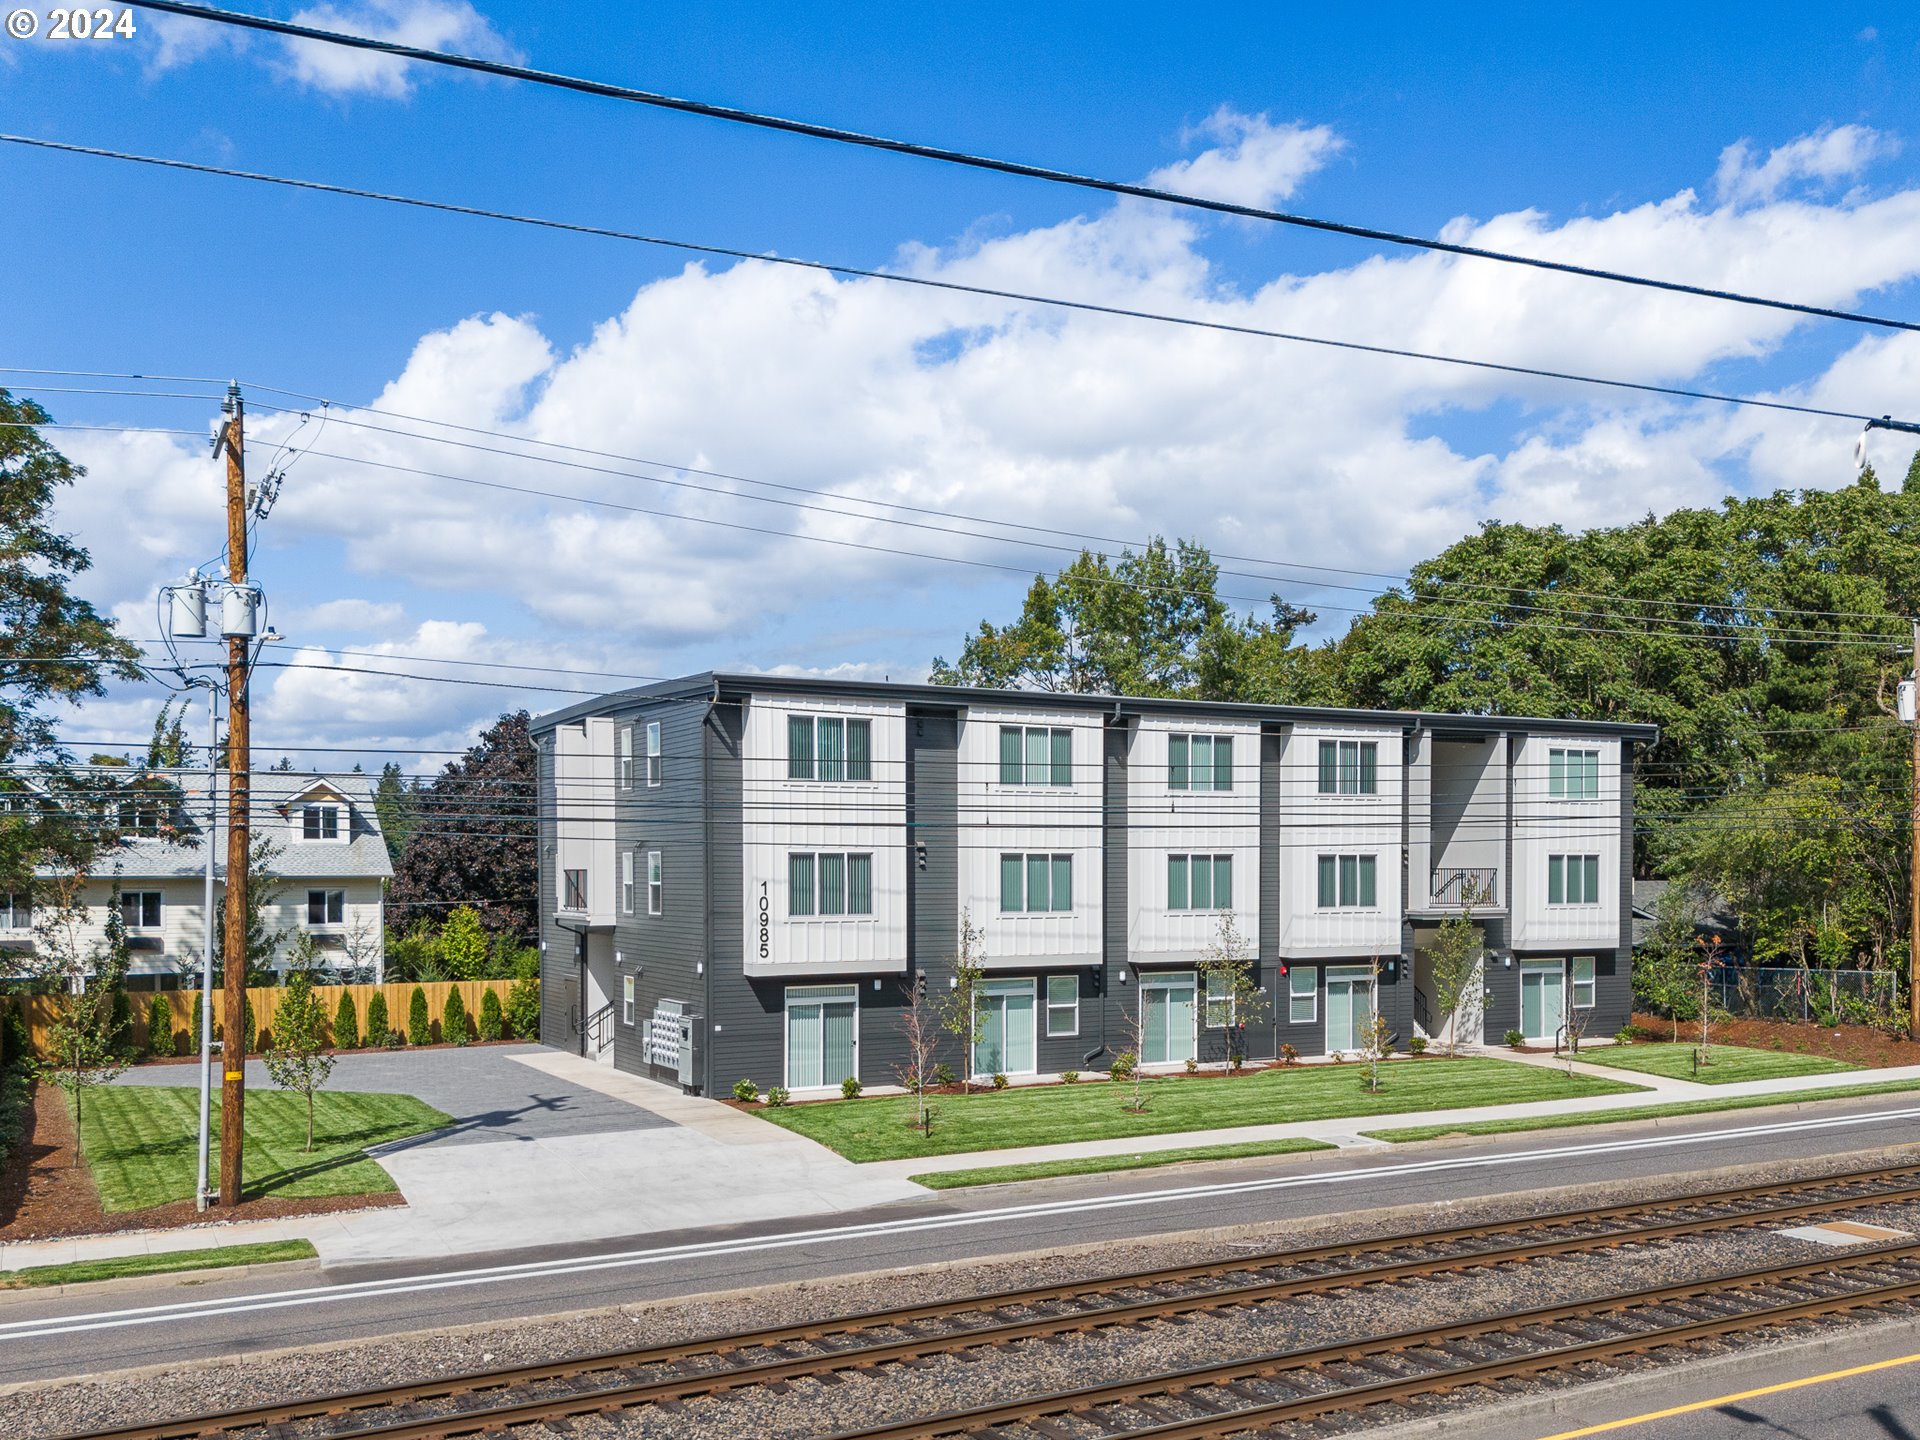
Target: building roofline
[[725, 685]]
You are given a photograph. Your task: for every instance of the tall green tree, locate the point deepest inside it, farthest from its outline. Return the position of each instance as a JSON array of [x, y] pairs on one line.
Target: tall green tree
[[263, 941], [394, 804]]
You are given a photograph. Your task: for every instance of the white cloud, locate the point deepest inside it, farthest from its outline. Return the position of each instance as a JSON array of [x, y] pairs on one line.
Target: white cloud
[[353, 617], [1253, 162], [426, 24], [1834, 153]]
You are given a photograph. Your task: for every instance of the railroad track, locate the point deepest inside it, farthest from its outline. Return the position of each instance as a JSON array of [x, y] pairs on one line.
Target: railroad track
[[662, 1375]]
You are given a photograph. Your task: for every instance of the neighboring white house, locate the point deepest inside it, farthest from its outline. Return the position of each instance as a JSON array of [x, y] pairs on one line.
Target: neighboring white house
[[329, 869]]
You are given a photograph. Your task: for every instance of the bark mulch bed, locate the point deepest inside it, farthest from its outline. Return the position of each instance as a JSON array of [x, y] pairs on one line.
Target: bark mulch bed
[[1856, 1044], [44, 1195]]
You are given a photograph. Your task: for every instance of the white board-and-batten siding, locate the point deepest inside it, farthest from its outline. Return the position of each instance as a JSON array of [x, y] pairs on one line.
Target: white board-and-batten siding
[[1163, 821], [1544, 826], [1312, 825]]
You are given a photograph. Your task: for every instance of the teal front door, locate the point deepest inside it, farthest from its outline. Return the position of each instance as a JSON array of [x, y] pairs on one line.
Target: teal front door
[[823, 1023], [1006, 1045], [1349, 1006], [1543, 1005], [1167, 1035]]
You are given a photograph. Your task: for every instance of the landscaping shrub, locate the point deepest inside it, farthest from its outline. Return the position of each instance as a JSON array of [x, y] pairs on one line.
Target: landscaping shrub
[[346, 1024], [122, 1022], [490, 1017], [1193, 1066], [1626, 1036], [378, 1027], [943, 1073], [522, 1011], [453, 1019], [1288, 1055], [745, 1089], [849, 1087], [777, 1096], [16, 1040], [1069, 1077], [1123, 1066], [193, 1029], [1417, 1045], [419, 1026], [999, 1080], [1516, 1039], [248, 1032], [463, 944], [160, 1026]]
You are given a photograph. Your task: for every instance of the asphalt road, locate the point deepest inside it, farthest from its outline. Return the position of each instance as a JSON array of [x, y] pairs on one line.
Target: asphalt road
[[88, 1332]]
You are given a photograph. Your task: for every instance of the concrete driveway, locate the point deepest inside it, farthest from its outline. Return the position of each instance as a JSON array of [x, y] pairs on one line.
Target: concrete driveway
[[547, 1148]]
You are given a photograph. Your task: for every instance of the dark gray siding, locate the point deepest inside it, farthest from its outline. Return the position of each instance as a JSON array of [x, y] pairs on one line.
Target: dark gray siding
[[933, 870], [559, 949], [1103, 1017]]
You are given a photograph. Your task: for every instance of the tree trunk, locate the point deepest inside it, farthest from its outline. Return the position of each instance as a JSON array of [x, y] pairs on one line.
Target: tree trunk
[[309, 1122]]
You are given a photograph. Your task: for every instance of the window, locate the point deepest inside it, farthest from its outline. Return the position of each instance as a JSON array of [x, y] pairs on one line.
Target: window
[[326, 907], [320, 822], [1035, 755], [140, 909], [16, 912], [574, 890], [1349, 767], [1219, 999], [626, 999], [656, 766], [626, 882], [656, 889], [1034, 883], [139, 819], [1063, 1005], [1573, 879], [1303, 983], [1200, 762], [829, 884], [1199, 882], [626, 757], [826, 747], [1573, 774], [1347, 882], [1583, 982]]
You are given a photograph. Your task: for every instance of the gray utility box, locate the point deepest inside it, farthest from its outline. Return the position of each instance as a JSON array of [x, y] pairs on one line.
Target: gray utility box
[[693, 1051]]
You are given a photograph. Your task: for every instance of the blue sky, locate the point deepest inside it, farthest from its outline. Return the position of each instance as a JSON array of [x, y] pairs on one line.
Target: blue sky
[[1602, 135]]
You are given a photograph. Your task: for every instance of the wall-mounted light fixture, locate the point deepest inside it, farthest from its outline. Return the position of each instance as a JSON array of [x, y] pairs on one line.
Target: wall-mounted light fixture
[[1123, 975]]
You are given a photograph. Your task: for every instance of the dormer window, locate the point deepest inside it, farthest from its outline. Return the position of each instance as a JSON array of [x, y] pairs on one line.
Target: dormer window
[[320, 822]]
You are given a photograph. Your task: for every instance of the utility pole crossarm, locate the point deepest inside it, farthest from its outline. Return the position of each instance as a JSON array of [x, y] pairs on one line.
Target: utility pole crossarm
[[1887, 422]]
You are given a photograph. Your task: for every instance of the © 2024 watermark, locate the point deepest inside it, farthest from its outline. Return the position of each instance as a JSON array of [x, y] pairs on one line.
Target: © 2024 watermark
[[100, 23]]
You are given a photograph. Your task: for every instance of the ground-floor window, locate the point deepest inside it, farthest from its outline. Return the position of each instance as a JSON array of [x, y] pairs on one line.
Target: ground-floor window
[[1583, 982], [823, 1026], [1167, 1032], [1349, 1006], [1006, 1044], [1063, 1005], [1303, 994]]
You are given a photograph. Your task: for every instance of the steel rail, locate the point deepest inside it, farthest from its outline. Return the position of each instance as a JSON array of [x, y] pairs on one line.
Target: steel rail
[[1280, 1365], [628, 1391]]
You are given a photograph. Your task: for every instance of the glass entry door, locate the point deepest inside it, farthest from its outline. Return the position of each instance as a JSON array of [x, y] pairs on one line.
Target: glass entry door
[[1006, 1045], [1349, 1006], [822, 1030], [1167, 1035], [1543, 1005]]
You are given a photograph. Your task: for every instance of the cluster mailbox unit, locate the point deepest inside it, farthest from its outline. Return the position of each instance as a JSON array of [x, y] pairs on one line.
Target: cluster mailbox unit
[[747, 876]]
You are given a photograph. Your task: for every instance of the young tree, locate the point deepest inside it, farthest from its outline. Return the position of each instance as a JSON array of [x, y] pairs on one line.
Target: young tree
[[262, 941], [361, 945], [1376, 1035], [1230, 986], [298, 1060], [463, 944], [1665, 970], [919, 1030], [960, 1014], [81, 1044], [419, 1023], [453, 1018], [492, 1021], [1454, 956], [346, 1023]]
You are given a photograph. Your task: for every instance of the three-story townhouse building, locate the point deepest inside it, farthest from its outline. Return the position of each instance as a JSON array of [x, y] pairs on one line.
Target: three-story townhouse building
[[748, 876]]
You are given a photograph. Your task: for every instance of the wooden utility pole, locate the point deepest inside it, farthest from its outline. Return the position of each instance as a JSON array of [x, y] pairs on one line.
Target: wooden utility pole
[[1913, 865], [233, 960]]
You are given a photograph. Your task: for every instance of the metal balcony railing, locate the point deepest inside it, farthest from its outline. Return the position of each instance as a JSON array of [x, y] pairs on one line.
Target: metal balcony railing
[[1455, 889]]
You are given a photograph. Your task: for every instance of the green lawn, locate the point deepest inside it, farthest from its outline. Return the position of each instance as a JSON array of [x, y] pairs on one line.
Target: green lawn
[[1726, 1063], [169, 1262], [882, 1128], [141, 1142], [1639, 1112], [1101, 1164]]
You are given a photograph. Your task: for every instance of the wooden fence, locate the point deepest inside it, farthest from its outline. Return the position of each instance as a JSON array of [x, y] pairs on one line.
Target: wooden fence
[[38, 1009]]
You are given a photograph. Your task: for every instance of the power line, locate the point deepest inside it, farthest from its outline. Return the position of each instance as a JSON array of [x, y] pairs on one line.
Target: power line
[[812, 130]]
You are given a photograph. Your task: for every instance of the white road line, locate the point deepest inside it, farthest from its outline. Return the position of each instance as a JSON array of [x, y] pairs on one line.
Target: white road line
[[586, 1264]]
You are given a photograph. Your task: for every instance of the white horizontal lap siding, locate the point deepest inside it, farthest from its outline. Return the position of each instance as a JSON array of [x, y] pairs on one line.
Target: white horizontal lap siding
[[781, 817], [995, 819], [1163, 821], [1545, 826], [182, 931], [1312, 825]]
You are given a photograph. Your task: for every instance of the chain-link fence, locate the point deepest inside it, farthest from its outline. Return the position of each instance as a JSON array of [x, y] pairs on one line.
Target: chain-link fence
[[1827, 997]]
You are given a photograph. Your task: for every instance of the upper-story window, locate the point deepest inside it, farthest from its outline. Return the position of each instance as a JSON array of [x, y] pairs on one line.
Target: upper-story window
[[656, 885], [826, 747], [1573, 879], [1035, 755], [140, 909], [1573, 774], [626, 882], [16, 912], [626, 757], [1348, 882], [829, 883], [320, 822], [1349, 767], [1033, 883], [1199, 882], [1200, 762], [573, 889], [655, 764], [325, 908], [138, 817]]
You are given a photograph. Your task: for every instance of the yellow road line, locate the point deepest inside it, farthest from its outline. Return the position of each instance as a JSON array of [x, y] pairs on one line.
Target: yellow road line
[[1730, 1399]]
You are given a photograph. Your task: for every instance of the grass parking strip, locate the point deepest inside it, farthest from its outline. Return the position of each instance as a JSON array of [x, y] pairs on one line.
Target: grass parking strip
[[1101, 1164], [80, 1272], [1726, 1064], [1407, 1134]]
